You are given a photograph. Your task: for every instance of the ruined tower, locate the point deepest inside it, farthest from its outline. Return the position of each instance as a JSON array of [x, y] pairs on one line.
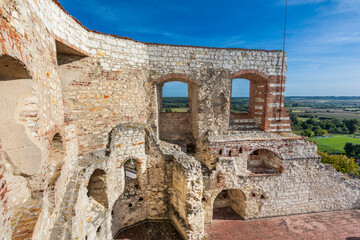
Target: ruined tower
[[86, 150]]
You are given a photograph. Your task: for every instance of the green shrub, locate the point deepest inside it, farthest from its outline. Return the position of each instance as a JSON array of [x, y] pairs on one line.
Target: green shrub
[[340, 162]]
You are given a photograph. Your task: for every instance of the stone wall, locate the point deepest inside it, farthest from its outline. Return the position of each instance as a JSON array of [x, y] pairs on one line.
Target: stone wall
[[302, 185], [5, 216], [102, 95], [176, 128]]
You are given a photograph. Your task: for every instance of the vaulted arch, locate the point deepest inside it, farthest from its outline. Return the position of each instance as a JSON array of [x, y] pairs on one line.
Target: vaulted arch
[[228, 202], [17, 109]]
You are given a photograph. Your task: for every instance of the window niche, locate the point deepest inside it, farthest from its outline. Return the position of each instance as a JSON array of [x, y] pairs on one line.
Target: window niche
[[131, 168], [177, 106], [263, 161], [247, 109], [97, 187]]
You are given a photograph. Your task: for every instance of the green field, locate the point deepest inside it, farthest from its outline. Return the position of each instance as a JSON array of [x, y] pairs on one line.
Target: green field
[[177, 109], [334, 144]]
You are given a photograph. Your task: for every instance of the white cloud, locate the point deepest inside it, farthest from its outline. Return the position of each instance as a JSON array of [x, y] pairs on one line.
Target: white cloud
[[235, 41]]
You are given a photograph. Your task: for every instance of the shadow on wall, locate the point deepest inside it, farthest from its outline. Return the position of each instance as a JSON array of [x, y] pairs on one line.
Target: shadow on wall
[[56, 161], [18, 107], [97, 187]]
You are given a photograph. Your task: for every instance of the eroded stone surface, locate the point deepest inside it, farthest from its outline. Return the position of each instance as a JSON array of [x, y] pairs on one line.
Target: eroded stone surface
[[78, 106]]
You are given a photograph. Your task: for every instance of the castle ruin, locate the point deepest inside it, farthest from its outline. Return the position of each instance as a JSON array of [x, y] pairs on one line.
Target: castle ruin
[[86, 151]]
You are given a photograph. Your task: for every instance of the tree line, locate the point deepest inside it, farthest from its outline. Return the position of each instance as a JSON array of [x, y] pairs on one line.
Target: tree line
[[320, 127]]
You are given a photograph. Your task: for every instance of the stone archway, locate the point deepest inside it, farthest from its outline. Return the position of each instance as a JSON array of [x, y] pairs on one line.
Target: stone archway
[[230, 204]]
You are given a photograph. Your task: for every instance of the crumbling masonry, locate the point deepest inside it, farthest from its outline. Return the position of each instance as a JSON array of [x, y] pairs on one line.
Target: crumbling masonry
[[86, 151]]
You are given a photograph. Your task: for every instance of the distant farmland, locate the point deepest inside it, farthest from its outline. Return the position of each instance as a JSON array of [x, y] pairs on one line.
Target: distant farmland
[[334, 143], [327, 113]]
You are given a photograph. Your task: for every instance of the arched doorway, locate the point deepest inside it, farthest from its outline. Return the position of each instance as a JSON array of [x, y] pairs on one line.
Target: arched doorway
[[176, 125], [230, 204]]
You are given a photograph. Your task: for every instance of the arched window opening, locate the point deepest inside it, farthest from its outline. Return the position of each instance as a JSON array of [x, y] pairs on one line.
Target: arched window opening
[[177, 105], [130, 169], [97, 187], [220, 152], [240, 91], [240, 150], [230, 153], [56, 154], [230, 204], [248, 93], [263, 161]]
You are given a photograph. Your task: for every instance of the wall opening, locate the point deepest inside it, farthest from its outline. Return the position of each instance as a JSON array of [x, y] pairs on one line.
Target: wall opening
[[263, 161], [16, 98], [66, 54], [130, 169], [240, 92], [175, 97], [177, 105], [56, 161], [247, 102], [190, 148], [230, 204], [97, 187]]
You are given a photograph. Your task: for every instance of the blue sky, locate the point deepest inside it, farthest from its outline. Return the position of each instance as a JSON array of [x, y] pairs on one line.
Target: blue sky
[[323, 36]]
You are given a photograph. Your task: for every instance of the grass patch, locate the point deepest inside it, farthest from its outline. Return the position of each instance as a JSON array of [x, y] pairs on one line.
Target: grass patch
[[334, 144]]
